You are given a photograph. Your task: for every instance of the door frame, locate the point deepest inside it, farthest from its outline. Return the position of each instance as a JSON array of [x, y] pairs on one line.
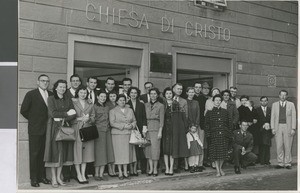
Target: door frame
[[208, 53], [140, 74]]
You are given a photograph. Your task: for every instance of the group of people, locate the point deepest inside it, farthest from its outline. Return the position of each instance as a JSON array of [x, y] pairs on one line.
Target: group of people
[[199, 128]]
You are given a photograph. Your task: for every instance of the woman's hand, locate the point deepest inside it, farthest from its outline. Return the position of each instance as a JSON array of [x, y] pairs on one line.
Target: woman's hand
[[71, 112], [159, 135]]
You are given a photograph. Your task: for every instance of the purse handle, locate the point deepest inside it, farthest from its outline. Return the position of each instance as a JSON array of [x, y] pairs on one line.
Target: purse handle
[[63, 122]]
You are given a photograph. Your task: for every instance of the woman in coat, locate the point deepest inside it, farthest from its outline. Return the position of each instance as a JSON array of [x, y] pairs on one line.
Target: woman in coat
[[230, 106], [179, 125], [104, 152], [167, 134], [155, 121], [58, 153], [111, 103], [122, 121], [141, 122], [217, 130], [209, 104], [193, 118], [85, 116]]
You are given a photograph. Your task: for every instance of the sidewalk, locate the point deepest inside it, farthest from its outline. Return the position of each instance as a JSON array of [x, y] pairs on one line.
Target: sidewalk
[[143, 179]]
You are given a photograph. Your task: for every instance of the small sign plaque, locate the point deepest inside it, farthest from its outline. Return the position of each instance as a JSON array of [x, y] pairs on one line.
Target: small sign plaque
[[160, 63], [271, 80]]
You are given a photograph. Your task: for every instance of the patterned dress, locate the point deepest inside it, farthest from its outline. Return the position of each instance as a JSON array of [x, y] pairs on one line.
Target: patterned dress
[[217, 130]]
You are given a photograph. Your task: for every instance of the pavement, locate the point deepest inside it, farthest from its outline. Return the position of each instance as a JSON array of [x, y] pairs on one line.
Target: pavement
[[142, 181]]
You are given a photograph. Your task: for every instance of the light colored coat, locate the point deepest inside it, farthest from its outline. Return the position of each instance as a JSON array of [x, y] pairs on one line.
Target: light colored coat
[[155, 116], [290, 116], [118, 120]]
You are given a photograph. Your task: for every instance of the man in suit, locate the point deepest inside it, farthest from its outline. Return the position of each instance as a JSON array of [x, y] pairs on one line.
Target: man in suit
[[69, 172], [283, 125], [127, 83], [146, 97], [91, 85], [233, 92], [109, 85], [75, 82], [201, 100], [242, 147], [34, 109], [263, 122]]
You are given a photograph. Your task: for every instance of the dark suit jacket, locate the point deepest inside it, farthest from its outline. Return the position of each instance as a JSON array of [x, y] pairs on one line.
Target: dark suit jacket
[[35, 110], [139, 113], [265, 135], [240, 141], [69, 94], [144, 98], [201, 100]]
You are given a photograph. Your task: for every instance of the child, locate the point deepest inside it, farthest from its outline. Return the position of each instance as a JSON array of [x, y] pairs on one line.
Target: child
[[195, 146]]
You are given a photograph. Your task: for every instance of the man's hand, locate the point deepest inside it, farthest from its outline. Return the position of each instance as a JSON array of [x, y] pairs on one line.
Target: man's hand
[[293, 132], [243, 151]]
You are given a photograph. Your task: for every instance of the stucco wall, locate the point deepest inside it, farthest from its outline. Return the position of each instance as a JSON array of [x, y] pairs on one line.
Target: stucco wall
[[263, 40]]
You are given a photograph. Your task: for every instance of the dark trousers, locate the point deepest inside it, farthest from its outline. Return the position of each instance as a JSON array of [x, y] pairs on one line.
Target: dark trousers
[[69, 172], [264, 154], [244, 159], [36, 156]]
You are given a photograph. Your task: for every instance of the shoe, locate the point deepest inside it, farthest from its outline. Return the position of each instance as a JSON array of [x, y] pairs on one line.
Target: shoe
[[288, 167], [222, 173], [113, 175], [218, 175], [61, 183], [126, 177], [55, 185], [67, 179], [171, 174], [121, 178], [97, 178], [279, 167], [34, 183], [200, 169], [149, 174], [237, 170], [44, 181], [186, 169], [154, 175], [192, 169], [83, 182], [252, 164], [86, 182], [166, 173]]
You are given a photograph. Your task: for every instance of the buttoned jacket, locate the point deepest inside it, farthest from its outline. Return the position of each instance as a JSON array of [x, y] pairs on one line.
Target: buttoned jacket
[[290, 116], [118, 120]]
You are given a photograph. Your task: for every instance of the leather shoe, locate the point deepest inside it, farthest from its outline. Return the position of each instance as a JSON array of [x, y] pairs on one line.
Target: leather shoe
[[288, 167], [34, 183], [278, 167], [44, 181], [237, 170]]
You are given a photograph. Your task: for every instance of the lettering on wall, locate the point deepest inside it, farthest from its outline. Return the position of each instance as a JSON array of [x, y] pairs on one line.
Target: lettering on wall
[[133, 19]]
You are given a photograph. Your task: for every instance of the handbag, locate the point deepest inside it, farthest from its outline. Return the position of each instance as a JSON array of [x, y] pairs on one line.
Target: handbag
[[136, 137], [88, 133], [65, 133], [146, 143]]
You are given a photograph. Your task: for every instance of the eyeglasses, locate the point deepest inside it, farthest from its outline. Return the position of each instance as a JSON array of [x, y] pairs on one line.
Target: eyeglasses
[[44, 80]]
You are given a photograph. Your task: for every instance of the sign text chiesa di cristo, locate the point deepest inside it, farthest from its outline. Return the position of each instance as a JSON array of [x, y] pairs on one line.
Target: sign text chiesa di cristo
[[133, 19]]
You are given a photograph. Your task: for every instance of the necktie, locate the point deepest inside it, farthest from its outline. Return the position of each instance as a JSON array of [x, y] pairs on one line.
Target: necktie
[[244, 134], [45, 96], [265, 113], [91, 96]]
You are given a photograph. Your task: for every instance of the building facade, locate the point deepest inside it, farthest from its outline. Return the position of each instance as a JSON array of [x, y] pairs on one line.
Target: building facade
[[251, 45]]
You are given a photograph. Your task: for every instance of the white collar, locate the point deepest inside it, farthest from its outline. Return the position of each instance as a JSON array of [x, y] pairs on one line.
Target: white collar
[[42, 91]]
